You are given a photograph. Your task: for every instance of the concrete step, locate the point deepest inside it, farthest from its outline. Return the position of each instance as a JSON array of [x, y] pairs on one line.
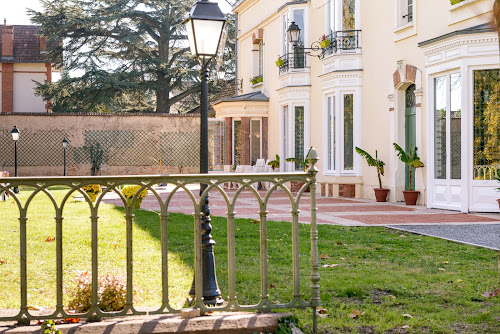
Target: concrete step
[[216, 323]]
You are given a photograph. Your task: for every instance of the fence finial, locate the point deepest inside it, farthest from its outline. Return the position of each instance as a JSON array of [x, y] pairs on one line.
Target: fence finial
[[312, 157]]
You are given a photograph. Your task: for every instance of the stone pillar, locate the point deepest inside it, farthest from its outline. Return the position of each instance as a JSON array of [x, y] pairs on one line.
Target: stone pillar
[[264, 138], [245, 141], [228, 141]]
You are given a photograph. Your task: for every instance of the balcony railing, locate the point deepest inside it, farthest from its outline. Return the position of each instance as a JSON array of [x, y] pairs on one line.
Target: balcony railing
[[69, 186], [340, 41], [294, 60]]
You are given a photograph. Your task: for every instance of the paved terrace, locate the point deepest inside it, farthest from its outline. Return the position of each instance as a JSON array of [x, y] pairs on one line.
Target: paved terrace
[[477, 229]]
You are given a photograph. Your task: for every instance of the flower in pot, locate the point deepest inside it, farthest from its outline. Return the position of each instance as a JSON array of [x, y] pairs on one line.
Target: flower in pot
[[413, 161], [324, 42], [380, 193], [93, 190], [130, 191], [257, 79], [280, 62]]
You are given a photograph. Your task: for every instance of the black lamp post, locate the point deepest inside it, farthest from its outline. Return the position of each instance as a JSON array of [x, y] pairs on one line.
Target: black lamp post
[[204, 28], [15, 137], [293, 33], [64, 145]]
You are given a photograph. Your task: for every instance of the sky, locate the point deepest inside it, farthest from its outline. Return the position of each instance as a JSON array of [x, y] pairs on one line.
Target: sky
[[15, 10]]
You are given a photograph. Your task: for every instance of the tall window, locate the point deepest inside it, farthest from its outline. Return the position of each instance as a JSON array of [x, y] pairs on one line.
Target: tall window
[[348, 15], [237, 142], [448, 126], [284, 137], [330, 16], [299, 135], [255, 140], [261, 59], [348, 131], [330, 131], [486, 153], [286, 43]]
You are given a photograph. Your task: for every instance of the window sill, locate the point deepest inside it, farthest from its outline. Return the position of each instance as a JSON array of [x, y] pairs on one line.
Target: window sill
[[258, 84], [404, 27], [461, 4]]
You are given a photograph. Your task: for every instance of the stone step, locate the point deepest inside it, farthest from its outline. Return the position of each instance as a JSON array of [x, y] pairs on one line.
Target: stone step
[[216, 323]]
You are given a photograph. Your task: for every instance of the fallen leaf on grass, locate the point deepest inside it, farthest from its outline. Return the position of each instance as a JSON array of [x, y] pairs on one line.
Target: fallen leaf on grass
[[406, 315], [494, 293], [405, 326], [340, 244], [402, 236], [355, 314], [115, 245], [445, 262], [459, 281], [2, 261], [321, 312], [255, 221], [343, 259], [50, 239], [324, 256], [331, 265], [391, 296], [442, 269]]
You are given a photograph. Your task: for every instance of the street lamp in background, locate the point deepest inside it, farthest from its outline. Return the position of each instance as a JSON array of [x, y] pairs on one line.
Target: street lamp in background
[[221, 73], [64, 145], [15, 137], [204, 28]]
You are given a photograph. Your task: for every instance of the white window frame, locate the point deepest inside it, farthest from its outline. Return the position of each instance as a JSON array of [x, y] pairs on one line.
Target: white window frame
[[338, 112], [403, 28]]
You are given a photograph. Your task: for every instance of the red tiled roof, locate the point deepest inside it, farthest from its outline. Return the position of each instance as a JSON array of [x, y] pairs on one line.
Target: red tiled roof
[[26, 45]]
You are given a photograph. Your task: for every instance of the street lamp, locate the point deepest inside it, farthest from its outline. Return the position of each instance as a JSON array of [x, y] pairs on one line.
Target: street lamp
[[221, 73], [204, 28], [293, 34], [15, 137], [64, 145]]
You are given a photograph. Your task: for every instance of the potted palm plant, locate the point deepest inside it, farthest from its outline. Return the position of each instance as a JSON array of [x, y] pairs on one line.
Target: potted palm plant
[[380, 193], [413, 161], [303, 162]]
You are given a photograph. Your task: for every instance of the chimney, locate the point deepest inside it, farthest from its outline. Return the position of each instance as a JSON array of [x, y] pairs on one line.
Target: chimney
[[7, 40], [43, 44]]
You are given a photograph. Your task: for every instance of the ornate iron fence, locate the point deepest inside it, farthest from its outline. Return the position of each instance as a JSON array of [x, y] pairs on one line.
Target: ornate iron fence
[[291, 61], [214, 182], [342, 41]]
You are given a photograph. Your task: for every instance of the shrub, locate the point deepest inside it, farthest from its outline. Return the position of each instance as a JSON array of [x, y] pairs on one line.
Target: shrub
[[112, 293]]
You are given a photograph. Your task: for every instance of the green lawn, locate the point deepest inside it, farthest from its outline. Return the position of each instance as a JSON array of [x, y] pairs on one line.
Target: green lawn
[[381, 273]]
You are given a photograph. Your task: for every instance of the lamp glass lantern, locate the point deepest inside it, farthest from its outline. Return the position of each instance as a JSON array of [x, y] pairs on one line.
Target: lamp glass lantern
[[204, 29], [15, 133], [221, 73], [293, 33], [64, 143]]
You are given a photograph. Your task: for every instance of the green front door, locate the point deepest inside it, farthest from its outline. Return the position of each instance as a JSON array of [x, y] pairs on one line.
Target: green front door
[[410, 132]]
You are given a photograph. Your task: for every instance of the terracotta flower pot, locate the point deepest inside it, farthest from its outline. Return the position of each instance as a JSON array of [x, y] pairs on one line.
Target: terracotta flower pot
[[381, 194], [411, 197]]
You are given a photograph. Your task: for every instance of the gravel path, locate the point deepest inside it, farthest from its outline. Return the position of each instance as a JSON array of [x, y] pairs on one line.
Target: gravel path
[[487, 236]]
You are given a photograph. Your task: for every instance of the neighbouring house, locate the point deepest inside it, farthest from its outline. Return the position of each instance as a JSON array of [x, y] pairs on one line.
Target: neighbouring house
[[418, 73], [22, 60]]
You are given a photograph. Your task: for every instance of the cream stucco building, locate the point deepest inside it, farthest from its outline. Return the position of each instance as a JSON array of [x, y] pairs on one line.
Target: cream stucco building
[[423, 73]]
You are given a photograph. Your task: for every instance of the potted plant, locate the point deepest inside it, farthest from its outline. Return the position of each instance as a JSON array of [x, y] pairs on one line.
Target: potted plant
[[275, 163], [304, 164], [380, 193], [280, 62], [257, 79], [130, 191], [413, 161], [93, 190], [324, 42]]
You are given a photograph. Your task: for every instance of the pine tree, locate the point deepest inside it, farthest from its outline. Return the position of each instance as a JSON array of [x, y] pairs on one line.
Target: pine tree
[[117, 55]]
